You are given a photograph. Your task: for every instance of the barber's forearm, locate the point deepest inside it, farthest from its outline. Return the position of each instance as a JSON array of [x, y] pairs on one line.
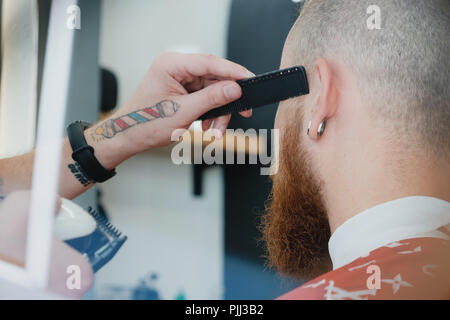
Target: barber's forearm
[[73, 181], [110, 149], [109, 152], [16, 173]]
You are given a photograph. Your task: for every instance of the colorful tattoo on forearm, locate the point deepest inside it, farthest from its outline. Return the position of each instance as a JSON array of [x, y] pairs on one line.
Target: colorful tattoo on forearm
[[111, 127], [79, 174]]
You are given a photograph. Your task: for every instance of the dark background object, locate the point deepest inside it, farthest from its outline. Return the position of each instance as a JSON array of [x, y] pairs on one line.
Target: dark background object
[[84, 86], [109, 93], [44, 16], [258, 29]]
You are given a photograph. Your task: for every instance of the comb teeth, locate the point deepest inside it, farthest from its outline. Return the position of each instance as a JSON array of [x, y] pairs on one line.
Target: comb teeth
[[268, 76], [104, 224], [114, 232], [98, 217]]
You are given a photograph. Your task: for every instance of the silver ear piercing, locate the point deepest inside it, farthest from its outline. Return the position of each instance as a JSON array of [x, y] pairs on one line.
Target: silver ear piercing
[[321, 128], [309, 127]]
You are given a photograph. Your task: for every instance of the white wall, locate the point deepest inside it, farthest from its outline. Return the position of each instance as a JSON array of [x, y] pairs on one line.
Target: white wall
[[19, 77], [133, 32], [170, 231]]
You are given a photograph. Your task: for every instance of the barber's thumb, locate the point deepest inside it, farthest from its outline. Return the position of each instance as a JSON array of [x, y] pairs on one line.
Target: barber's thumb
[[213, 96]]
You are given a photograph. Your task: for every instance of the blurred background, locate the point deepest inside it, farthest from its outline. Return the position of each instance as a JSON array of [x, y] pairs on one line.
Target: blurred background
[[192, 229]]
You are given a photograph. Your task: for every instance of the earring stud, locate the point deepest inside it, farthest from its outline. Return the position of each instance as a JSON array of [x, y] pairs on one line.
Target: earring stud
[[321, 128], [309, 127]]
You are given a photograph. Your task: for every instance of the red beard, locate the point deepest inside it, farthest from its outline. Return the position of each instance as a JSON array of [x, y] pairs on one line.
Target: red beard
[[295, 226]]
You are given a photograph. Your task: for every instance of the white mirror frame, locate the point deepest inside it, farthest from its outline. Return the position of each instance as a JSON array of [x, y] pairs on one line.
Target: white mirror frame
[[53, 103]]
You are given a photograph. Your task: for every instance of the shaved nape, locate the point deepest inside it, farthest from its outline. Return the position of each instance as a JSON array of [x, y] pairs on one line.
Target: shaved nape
[[403, 68]]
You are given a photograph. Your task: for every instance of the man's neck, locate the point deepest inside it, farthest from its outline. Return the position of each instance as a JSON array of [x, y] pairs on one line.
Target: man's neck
[[378, 183]]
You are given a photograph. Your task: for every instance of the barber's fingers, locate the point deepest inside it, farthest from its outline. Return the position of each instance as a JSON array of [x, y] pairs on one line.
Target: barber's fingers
[[218, 94], [220, 125], [210, 66], [206, 124], [201, 83], [247, 113], [180, 66]]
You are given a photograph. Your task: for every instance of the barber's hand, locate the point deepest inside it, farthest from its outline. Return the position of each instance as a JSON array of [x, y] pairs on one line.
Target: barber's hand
[[176, 91], [13, 230]]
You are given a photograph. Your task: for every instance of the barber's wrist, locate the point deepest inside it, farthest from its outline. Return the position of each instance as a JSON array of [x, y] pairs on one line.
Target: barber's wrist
[[109, 152]]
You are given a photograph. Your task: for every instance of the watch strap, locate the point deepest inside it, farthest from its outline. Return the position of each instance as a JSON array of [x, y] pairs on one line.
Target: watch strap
[[84, 154]]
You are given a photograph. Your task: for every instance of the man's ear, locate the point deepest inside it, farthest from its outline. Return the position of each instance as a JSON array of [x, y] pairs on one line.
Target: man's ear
[[326, 97]]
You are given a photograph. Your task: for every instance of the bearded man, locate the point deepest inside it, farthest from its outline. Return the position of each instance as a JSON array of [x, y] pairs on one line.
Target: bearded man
[[361, 196]]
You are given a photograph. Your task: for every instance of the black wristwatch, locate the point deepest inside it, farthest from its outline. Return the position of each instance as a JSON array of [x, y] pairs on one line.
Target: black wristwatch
[[83, 153]]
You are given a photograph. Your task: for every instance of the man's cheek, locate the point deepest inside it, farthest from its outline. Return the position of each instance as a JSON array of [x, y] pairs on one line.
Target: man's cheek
[[277, 121], [274, 165], [280, 116]]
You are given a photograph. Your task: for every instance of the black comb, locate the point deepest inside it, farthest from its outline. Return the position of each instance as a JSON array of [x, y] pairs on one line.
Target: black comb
[[265, 89]]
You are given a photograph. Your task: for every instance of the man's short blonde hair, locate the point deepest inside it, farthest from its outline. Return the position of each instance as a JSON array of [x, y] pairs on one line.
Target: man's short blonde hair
[[403, 68]]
